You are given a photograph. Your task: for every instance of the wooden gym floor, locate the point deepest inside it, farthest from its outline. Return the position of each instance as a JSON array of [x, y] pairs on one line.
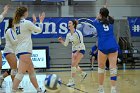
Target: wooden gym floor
[[128, 82]]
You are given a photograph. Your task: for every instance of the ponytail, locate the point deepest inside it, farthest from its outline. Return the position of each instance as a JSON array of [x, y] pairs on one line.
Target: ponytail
[[75, 23], [18, 14], [106, 19]]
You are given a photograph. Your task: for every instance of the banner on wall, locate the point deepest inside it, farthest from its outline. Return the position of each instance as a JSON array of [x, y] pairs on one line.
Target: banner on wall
[[55, 27], [38, 59], [134, 25], [54, 0], [23, 0]]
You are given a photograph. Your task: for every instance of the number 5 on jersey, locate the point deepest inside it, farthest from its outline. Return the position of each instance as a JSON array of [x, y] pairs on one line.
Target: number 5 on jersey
[[18, 30]]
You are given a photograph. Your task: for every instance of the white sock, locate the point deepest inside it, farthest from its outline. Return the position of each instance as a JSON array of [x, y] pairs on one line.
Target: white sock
[[13, 90], [113, 87], [38, 89], [101, 86], [72, 78], [83, 73]]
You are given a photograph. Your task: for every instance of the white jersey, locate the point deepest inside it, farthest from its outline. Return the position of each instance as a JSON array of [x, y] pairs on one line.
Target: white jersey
[[24, 30], [77, 40], [1, 18], [11, 41]]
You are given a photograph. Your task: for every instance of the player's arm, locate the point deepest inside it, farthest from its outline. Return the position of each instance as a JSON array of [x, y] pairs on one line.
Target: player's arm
[[4, 12], [35, 28], [80, 35], [96, 51], [11, 36], [66, 42]]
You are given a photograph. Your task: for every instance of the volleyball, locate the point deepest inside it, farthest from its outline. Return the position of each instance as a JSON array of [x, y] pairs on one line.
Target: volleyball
[[52, 82]]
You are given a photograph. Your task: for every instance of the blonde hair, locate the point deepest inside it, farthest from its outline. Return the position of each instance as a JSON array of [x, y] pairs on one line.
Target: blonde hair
[[19, 13]]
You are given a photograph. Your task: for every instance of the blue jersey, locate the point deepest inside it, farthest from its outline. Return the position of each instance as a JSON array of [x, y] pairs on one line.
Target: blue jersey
[[94, 48], [106, 39]]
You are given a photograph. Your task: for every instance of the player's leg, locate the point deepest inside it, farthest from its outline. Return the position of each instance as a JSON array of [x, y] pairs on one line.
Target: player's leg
[[24, 63], [73, 70], [0, 62], [11, 58], [113, 70], [77, 60], [92, 61], [32, 76], [6, 73], [101, 68]]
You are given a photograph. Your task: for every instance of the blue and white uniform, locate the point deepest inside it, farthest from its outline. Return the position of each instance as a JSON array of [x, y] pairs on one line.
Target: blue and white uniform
[[11, 41], [77, 41], [106, 39], [1, 18], [24, 30]]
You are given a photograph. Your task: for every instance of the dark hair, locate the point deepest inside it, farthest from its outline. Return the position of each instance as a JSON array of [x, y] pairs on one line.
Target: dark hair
[[19, 13], [10, 24], [75, 23], [106, 19]]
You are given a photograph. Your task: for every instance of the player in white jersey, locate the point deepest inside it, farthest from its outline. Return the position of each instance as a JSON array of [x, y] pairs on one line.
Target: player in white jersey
[[9, 52], [24, 30], [1, 18], [78, 50]]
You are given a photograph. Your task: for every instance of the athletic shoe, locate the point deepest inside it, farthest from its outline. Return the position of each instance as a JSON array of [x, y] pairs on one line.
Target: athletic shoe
[[71, 82], [83, 76], [113, 90], [101, 90]]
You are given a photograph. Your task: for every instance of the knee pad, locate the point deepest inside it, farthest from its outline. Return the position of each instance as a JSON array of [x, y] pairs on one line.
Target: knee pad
[[113, 71], [73, 69], [113, 78], [19, 76], [9, 71], [32, 75], [100, 70], [13, 71]]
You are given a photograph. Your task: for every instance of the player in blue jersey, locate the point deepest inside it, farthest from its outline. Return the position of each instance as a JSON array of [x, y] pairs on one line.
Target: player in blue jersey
[[94, 53], [107, 48]]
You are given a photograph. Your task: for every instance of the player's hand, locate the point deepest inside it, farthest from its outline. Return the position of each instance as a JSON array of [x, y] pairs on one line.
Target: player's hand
[[41, 17], [60, 39], [6, 8], [34, 18], [98, 16]]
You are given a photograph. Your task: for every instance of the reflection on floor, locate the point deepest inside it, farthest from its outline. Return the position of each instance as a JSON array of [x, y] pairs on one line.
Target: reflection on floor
[[128, 82]]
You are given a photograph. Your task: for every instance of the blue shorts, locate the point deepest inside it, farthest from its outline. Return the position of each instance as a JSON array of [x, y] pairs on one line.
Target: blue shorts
[[108, 51], [81, 51], [23, 53], [95, 55], [5, 54]]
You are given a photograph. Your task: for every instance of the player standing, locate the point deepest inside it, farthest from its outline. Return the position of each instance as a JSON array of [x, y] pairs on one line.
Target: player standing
[[24, 30], [107, 48], [78, 50]]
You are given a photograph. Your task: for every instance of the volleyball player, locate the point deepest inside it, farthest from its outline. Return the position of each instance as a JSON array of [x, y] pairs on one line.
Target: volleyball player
[[1, 19], [78, 50], [107, 48], [94, 53], [24, 30], [9, 52]]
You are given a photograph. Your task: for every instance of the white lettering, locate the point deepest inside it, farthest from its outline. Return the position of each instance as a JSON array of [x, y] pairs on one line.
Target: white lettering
[[63, 28]]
